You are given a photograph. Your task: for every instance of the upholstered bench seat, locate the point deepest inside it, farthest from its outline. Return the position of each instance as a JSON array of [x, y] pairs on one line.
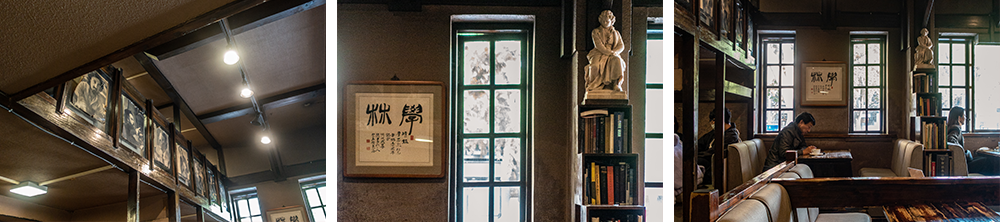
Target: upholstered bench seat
[[779, 207], [746, 211], [877, 172], [745, 161], [843, 217], [905, 153]]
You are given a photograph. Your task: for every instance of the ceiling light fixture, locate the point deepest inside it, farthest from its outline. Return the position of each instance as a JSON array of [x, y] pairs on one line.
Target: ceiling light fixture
[[29, 189], [246, 92], [231, 57], [265, 140]]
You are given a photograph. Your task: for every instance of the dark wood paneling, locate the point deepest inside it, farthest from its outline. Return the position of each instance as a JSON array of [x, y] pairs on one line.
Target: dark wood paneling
[[843, 192]]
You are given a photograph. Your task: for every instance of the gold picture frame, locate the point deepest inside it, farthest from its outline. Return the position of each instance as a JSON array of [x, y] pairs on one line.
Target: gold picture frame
[[824, 83]]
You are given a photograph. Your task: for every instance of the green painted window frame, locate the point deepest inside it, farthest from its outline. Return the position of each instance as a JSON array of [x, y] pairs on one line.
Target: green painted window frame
[[881, 41], [246, 196], [951, 87], [771, 39]]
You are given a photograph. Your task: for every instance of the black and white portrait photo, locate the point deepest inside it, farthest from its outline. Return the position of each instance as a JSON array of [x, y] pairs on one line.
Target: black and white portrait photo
[[183, 171], [199, 178], [213, 188], [133, 127], [161, 149], [90, 98]]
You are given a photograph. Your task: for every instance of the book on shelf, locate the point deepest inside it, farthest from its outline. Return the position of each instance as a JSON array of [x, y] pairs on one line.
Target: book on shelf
[[621, 218], [609, 183], [604, 131]]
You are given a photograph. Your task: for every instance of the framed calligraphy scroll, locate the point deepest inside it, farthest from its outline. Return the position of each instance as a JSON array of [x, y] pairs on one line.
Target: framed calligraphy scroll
[[288, 214], [394, 129], [824, 83]]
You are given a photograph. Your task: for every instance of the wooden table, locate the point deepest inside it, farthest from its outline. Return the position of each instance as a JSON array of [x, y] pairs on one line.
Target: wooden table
[[991, 152], [961, 211], [832, 163]]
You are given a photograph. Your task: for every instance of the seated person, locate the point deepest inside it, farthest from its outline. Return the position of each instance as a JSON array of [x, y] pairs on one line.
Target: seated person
[[977, 164], [792, 137], [679, 170], [707, 141]]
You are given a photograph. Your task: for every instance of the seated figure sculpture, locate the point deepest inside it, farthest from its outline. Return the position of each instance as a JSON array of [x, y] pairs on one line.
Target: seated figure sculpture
[[606, 71]]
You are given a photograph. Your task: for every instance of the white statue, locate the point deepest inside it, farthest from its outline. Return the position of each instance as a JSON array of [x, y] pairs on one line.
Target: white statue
[[924, 57], [606, 71]]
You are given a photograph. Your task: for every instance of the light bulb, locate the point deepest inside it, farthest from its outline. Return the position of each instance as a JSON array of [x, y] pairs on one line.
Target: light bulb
[[231, 57], [246, 92], [265, 140]]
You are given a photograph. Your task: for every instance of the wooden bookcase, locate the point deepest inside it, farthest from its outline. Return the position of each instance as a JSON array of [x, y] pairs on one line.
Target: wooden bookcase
[[609, 169], [929, 124]]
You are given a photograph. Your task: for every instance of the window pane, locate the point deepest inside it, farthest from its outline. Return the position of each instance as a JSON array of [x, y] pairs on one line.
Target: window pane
[[256, 219], [772, 75], [874, 53], [773, 122], [786, 117], [476, 162], [873, 120], [787, 75], [944, 75], [507, 207], [987, 89], [874, 74], [312, 197], [508, 111], [773, 98], [508, 59], [244, 208], [859, 98], [958, 97], [654, 160], [654, 202], [859, 54], [787, 53], [859, 76], [958, 75], [772, 53], [945, 98], [324, 196], [874, 98], [476, 201], [508, 159], [654, 56], [859, 120], [654, 111], [944, 50], [787, 96], [477, 107], [477, 63], [319, 215], [254, 206], [958, 53]]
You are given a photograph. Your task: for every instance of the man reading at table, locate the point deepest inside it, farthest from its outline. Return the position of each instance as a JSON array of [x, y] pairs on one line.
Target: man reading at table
[[791, 138]]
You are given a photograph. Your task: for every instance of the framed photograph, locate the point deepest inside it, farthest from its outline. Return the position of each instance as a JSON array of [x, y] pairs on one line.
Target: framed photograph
[[824, 83], [288, 214], [87, 96], [706, 12], [161, 149], [183, 167], [199, 177], [394, 129], [740, 26], [213, 190], [725, 19], [133, 126]]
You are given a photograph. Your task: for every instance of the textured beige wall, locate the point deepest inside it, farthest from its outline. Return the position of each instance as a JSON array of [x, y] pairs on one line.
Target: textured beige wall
[[18, 208]]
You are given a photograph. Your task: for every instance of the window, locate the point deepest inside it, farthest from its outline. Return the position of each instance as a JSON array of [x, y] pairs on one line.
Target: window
[[247, 205], [986, 88], [779, 77], [491, 81], [653, 157], [314, 191], [953, 71], [866, 95]]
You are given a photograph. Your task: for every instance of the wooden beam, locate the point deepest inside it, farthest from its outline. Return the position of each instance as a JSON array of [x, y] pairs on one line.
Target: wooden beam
[[199, 213], [140, 46], [173, 207], [157, 75], [689, 49], [927, 13], [132, 204], [875, 191], [718, 158], [301, 169], [268, 103]]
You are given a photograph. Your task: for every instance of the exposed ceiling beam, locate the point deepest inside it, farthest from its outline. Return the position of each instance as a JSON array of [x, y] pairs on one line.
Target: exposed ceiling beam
[[164, 106], [268, 103], [241, 22], [147, 63], [301, 169], [158, 39]]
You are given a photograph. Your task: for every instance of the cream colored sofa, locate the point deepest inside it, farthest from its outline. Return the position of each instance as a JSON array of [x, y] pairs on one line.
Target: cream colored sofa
[[905, 153], [745, 161], [772, 204]]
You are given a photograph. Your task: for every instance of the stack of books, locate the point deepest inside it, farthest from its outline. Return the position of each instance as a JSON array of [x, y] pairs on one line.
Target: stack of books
[[604, 131], [609, 184]]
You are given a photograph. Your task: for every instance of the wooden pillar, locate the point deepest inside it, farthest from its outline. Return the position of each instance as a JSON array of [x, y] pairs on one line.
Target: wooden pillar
[[199, 214], [132, 204], [689, 96], [720, 105], [173, 207]]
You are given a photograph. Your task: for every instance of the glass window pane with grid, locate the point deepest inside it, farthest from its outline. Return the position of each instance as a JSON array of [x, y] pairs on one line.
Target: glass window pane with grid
[[492, 115], [654, 144], [953, 69], [247, 207], [866, 85], [316, 198], [779, 68]]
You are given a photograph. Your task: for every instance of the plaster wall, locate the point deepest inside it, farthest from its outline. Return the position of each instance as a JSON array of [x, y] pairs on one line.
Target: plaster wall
[[18, 208]]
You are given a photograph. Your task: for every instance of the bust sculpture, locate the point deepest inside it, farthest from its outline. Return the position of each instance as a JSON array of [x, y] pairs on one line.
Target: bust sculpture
[[924, 57], [606, 71]]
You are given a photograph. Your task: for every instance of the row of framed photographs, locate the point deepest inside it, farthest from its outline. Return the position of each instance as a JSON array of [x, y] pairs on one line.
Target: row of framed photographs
[[131, 119], [729, 19]]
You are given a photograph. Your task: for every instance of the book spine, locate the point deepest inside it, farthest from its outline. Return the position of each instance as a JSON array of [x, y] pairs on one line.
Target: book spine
[[599, 136], [602, 184], [596, 198], [612, 189], [586, 185], [619, 131], [609, 138]]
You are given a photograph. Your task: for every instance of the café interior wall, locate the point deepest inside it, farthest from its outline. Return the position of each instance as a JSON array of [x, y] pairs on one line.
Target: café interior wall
[[150, 208], [11, 206], [375, 44]]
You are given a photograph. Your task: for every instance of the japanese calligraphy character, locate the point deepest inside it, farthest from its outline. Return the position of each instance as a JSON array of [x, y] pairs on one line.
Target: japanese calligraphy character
[[378, 114], [412, 114], [816, 77], [832, 76]]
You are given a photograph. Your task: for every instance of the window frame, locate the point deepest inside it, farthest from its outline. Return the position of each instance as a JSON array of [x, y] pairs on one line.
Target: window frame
[[780, 39], [881, 40], [246, 196], [314, 185], [969, 65], [491, 31]]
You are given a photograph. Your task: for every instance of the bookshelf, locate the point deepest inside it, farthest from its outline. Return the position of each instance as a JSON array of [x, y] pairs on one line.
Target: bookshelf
[[609, 169], [931, 126]]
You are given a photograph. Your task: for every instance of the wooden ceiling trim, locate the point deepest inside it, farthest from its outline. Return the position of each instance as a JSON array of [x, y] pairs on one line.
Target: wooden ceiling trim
[[276, 101], [294, 170], [165, 36]]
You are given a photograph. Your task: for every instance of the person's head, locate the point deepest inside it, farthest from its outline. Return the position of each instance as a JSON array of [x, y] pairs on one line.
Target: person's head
[[956, 116], [95, 82], [805, 122], [607, 18], [726, 117]]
